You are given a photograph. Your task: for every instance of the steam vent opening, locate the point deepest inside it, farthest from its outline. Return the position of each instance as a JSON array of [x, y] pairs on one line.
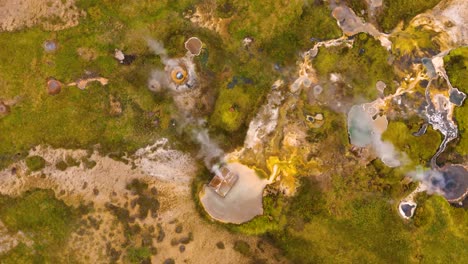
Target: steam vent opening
[[178, 75]]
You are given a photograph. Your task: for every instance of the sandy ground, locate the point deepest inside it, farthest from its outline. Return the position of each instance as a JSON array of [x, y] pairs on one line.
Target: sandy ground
[[242, 203], [51, 14], [106, 183]]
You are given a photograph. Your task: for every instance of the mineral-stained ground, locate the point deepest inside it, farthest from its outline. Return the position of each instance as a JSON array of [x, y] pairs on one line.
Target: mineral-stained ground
[[233, 131]]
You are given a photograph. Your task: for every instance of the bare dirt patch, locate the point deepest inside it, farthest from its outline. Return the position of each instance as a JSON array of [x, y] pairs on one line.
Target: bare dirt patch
[[176, 231], [51, 15]]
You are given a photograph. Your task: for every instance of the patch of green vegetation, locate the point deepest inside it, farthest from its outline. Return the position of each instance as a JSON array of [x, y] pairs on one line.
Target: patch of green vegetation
[[80, 118], [283, 34], [419, 149], [35, 163], [88, 163], [414, 41], [357, 6], [61, 165], [395, 11], [21, 254], [138, 255], [441, 231], [231, 109], [355, 220], [68, 162], [46, 220], [456, 65], [360, 66], [242, 247]]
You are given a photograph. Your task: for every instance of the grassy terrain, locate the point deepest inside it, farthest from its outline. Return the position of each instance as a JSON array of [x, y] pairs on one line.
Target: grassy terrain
[[395, 11], [456, 64], [351, 217], [44, 219], [286, 32], [419, 149], [360, 66]]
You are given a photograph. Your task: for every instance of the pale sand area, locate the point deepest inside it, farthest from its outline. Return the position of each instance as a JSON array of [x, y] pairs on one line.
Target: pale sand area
[[51, 14], [109, 178], [242, 203]]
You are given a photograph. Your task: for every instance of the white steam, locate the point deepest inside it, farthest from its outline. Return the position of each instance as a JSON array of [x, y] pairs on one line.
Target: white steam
[[209, 151], [158, 48], [366, 131], [432, 180], [160, 79]]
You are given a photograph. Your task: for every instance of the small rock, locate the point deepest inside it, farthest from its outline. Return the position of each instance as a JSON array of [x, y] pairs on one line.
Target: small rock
[[175, 242], [115, 106], [220, 245], [247, 41], [182, 248], [178, 229], [95, 191], [161, 234], [4, 109], [185, 240], [119, 55], [169, 261]]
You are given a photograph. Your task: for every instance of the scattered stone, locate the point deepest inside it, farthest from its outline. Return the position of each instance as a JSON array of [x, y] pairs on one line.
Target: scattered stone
[[187, 239], [261, 246], [146, 240], [123, 58], [4, 109], [154, 191], [178, 229], [115, 106], [87, 54], [175, 242], [156, 122], [53, 86], [161, 234], [220, 245], [169, 261], [154, 251], [247, 41], [133, 203], [119, 55], [182, 248]]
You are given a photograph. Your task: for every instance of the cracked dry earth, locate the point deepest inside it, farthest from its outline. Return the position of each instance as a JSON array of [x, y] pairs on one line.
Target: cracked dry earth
[[176, 230]]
